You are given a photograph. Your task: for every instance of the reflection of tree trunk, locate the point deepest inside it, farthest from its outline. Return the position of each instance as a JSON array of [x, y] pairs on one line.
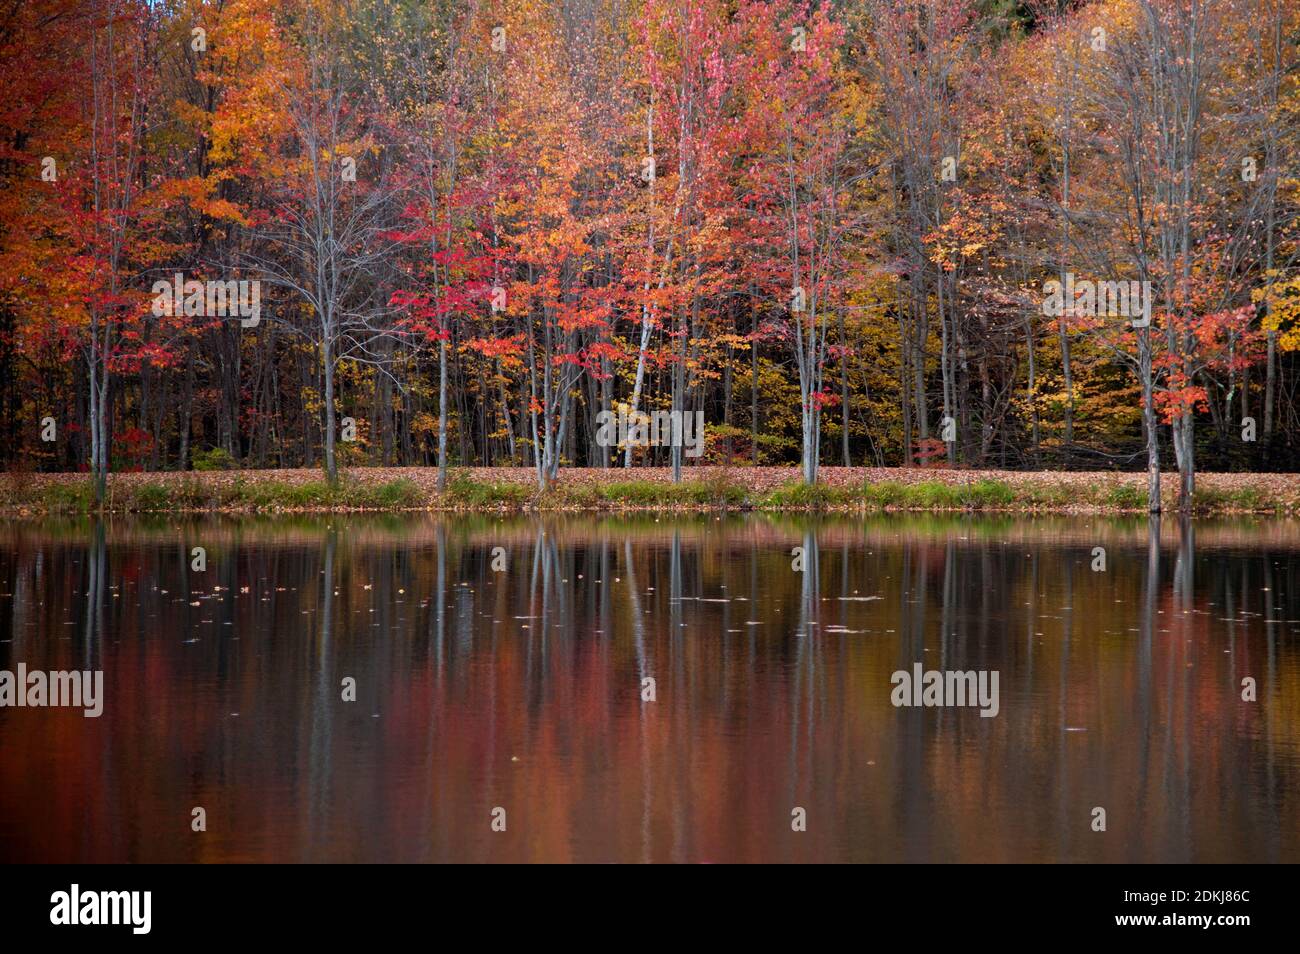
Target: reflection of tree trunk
[[319, 765], [97, 568], [564, 570], [1270, 632], [638, 623], [1063, 785], [327, 596], [806, 642], [440, 596], [675, 597], [947, 610], [911, 743], [540, 578], [1180, 675], [1146, 638], [810, 605], [638, 638], [1184, 564]]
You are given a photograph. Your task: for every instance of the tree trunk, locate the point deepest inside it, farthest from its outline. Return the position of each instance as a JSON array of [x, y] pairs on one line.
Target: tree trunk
[[442, 415], [1150, 422], [844, 393], [331, 463]]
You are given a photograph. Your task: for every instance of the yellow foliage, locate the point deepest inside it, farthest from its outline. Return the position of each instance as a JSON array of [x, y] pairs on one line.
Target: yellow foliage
[[1283, 302]]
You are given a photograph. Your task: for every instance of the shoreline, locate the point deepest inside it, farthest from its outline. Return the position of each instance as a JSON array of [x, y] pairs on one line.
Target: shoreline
[[593, 490]]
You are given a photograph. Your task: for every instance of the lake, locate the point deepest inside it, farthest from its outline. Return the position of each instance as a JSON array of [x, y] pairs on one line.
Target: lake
[[640, 688]]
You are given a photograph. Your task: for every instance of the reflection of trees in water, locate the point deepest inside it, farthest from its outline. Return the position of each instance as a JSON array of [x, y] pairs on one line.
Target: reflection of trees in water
[[747, 723]]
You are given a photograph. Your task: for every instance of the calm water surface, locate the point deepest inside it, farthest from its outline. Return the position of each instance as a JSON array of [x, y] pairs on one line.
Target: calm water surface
[[521, 687]]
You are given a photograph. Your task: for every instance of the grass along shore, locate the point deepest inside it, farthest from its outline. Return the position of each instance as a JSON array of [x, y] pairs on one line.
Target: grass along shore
[[590, 489]]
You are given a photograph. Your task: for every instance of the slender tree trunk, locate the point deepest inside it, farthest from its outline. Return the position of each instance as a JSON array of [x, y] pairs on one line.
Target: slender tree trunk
[[1270, 385], [679, 394], [727, 373], [753, 396], [946, 369], [442, 415], [1030, 352], [844, 392], [331, 463], [187, 409], [1150, 422], [904, 384]]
